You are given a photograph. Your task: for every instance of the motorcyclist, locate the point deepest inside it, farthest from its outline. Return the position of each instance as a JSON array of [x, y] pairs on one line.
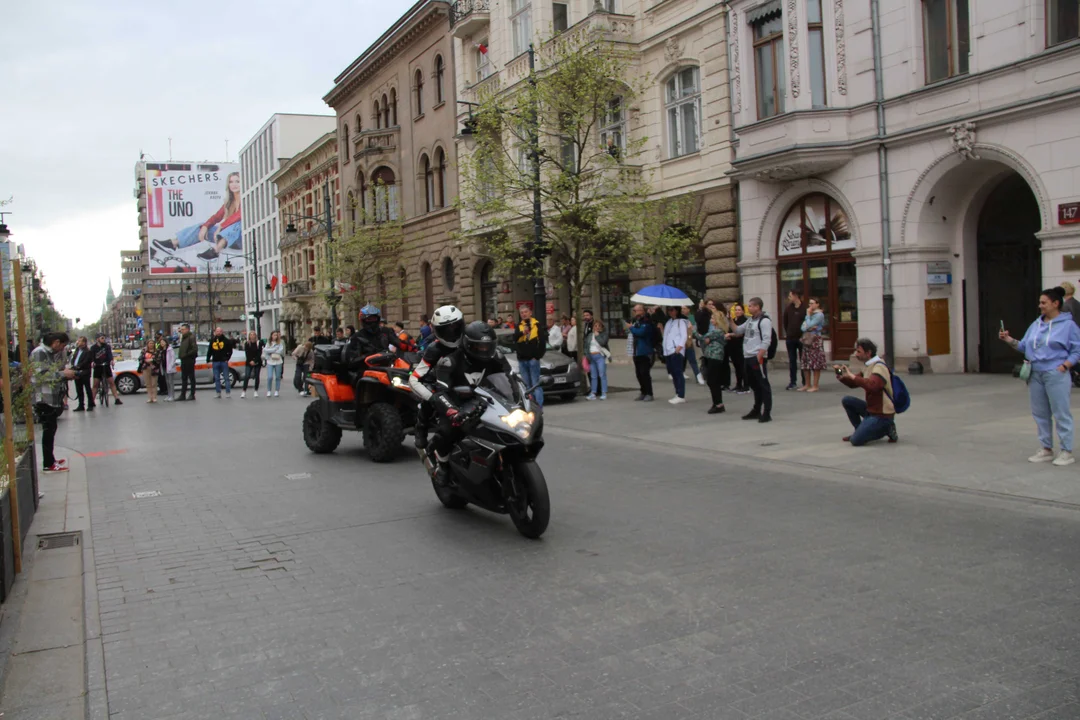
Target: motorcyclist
[[476, 358], [448, 324], [370, 339]]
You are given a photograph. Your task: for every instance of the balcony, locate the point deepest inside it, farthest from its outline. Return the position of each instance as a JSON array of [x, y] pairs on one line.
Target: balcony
[[469, 16], [798, 145], [297, 288], [376, 142]]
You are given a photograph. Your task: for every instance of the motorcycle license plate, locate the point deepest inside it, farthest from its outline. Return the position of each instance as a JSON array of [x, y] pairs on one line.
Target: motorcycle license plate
[[560, 381]]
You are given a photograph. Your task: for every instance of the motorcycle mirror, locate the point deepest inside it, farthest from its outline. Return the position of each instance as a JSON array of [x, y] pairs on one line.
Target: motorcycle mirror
[[464, 391]]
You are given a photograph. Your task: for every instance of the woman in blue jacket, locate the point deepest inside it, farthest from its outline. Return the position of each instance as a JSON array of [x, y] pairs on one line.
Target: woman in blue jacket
[[1052, 346]]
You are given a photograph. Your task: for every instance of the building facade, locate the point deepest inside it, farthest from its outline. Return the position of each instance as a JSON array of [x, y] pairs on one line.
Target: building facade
[[280, 138], [682, 116], [916, 169], [302, 185], [396, 127]]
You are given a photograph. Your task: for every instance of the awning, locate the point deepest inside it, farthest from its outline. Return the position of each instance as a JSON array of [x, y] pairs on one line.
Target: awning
[[764, 12]]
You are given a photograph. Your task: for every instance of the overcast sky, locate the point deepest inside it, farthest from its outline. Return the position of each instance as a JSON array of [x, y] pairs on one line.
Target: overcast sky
[[87, 86]]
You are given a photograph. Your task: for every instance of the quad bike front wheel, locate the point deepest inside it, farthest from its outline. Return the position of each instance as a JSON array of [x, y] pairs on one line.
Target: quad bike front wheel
[[320, 435], [383, 432]]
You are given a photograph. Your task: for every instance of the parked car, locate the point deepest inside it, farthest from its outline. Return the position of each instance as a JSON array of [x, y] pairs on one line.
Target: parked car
[[566, 376], [129, 381]]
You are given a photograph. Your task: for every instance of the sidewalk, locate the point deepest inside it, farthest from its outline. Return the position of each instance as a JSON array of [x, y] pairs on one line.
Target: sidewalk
[[972, 432]]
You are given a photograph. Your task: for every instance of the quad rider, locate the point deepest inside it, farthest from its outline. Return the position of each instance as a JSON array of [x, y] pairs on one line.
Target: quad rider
[[448, 324], [372, 338], [476, 358]]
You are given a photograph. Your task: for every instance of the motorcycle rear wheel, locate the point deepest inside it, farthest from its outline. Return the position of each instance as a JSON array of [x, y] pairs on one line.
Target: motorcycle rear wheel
[[531, 517]]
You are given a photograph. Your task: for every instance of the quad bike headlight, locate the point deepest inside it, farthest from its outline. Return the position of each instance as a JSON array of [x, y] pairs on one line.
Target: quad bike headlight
[[399, 383]]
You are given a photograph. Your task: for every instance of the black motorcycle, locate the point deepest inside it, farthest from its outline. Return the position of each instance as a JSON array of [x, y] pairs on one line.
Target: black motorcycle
[[494, 465]]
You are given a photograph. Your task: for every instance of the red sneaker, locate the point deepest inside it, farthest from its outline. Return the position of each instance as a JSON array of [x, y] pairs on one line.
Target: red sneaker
[[56, 467]]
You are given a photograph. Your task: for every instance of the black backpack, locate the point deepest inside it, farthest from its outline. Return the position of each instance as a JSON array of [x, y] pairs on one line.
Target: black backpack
[[773, 341]]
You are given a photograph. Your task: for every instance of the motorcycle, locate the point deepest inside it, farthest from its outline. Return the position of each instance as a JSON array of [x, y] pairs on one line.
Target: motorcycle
[[493, 466]]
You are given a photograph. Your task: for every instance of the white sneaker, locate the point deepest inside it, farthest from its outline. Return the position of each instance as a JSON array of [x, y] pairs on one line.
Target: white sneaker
[[256, 393], [242, 395], [685, 376], [1064, 458], [700, 379], [677, 400], [275, 393], [1043, 455], [590, 396], [603, 397]]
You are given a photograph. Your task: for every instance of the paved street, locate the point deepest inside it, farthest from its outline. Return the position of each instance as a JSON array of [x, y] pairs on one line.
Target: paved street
[[673, 582]]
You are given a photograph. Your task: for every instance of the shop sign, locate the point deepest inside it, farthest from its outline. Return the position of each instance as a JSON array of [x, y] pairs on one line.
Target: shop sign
[[1069, 213], [939, 273], [787, 275], [819, 273]]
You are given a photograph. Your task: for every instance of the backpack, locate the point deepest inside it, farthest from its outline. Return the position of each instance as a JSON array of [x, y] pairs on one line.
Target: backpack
[[898, 393], [774, 341]]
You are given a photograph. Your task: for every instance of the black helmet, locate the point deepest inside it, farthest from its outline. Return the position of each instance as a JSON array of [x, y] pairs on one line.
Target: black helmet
[[479, 341]]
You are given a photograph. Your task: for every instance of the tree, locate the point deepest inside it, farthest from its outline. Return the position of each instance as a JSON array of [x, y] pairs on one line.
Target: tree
[[564, 134]]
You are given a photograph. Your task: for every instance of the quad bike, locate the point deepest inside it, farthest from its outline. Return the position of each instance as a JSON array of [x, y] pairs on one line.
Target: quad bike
[[375, 399]]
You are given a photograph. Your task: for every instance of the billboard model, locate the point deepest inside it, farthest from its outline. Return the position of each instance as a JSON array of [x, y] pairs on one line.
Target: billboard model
[[193, 217]]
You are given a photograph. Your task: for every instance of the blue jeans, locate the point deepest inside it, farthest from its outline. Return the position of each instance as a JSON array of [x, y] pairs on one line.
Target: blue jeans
[[675, 364], [1049, 391], [273, 372], [867, 427], [530, 375], [190, 235], [691, 359], [222, 376], [598, 373]]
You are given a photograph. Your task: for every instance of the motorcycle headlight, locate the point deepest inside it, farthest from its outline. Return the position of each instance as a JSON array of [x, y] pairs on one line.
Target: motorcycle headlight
[[520, 422]]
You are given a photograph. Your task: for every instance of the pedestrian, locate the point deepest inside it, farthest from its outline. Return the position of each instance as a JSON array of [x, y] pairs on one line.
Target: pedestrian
[[147, 368], [794, 314], [1071, 304], [189, 353], [874, 417], [160, 343], [82, 362], [49, 374], [569, 347], [407, 342], [691, 349], [274, 353], [218, 354], [725, 368], [529, 348], [305, 360], [599, 354], [554, 338], [713, 342], [103, 364], [169, 370], [1051, 348], [734, 349], [643, 332], [318, 338], [425, 332], [349, 330], [253, 361], [813, 346], [339, 337], [757, 335], [675, 338]]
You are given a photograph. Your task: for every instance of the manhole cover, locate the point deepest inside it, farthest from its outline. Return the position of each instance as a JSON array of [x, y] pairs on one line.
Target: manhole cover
[[58, 540], [145, 494], [767, 444], [298, 476]]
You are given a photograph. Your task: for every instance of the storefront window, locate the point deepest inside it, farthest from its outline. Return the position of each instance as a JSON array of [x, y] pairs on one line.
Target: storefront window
[[615, 304]]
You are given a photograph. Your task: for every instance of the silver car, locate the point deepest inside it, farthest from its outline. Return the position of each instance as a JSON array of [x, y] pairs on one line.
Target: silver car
[[565, 373], [129, 381]]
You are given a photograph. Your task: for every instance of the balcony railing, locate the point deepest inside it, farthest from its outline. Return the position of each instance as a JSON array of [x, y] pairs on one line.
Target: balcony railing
[[468, 13], [376, 142], [297, 288]]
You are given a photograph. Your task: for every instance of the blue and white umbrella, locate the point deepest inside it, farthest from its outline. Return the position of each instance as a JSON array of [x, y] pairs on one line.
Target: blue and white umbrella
[[661, 295]]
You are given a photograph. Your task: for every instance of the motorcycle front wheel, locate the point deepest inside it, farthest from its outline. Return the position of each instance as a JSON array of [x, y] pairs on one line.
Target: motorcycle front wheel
[[531, 512]]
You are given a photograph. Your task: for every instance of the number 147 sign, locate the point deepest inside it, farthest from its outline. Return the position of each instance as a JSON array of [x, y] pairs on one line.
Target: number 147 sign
[[1069, 213]]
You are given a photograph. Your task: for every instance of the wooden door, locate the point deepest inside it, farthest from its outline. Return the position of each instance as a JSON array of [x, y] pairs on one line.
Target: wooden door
[[844, 301]]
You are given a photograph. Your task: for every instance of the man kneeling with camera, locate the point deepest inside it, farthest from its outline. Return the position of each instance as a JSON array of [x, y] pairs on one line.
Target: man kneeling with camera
[[874, 417]]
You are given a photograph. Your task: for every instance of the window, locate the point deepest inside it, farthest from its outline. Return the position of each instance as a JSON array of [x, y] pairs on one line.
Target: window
[[385, 195], [608, 5], [362, 200], [419, 93], [613, 129], [562, 16], [817, 54], [359, 125], [769, 65], [945, 38], [429, 183], [393, 108], [345, 145], [385, 112], [440, 173], [378, 116], [683, 106], [483, 63], [352, 208], [448, 274], [1062, 21], [440, 73], [521, 25]]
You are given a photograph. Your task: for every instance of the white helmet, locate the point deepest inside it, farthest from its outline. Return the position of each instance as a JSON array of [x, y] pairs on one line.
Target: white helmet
[[448, 323]]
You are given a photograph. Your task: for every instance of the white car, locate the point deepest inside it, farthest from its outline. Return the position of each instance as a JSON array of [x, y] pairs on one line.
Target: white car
[[129, 381]]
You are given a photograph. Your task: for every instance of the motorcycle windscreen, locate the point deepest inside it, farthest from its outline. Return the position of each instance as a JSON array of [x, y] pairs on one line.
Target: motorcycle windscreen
[[504, 386]]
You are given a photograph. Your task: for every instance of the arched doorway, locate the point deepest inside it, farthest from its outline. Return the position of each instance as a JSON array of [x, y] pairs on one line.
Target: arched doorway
[[814, 259], [489, 293], [1010, 271]]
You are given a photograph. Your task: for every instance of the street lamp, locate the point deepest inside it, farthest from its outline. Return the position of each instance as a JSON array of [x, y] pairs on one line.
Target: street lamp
[[254, 259], [328, 223]]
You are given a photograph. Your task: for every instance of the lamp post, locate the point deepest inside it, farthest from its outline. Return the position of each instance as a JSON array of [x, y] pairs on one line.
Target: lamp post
[[182, 306], [255, 264], [327, 222]]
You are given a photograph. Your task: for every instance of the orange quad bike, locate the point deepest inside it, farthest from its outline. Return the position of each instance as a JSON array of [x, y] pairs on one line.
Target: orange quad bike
[[373, 398]]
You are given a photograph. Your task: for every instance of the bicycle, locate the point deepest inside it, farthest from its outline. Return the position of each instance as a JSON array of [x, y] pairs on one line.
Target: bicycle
[[103, 389]]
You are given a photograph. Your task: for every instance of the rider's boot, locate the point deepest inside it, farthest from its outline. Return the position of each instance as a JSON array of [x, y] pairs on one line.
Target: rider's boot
[[441, 475], [420, 436]]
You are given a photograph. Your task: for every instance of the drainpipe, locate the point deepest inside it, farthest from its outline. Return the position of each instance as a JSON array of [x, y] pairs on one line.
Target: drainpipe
[[883, 186]]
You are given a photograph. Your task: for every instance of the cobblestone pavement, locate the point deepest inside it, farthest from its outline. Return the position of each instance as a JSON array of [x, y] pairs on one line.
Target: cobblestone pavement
[[669, 585]]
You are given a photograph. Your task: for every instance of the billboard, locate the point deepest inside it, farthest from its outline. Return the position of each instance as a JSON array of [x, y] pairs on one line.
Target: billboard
[[193, 217]]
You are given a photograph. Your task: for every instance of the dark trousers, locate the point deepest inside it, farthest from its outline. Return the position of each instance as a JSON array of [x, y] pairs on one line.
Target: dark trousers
[[642, 366], [675, 365], [187, 374], [794, 350], [759, 383], [162, 384], [84, 391], [47, 414], [253, 371], [739, 363], [714, 376]]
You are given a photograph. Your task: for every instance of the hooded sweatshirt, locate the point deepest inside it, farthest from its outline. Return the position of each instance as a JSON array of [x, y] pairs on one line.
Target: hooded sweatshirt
[[220, 349], [1049, 343]]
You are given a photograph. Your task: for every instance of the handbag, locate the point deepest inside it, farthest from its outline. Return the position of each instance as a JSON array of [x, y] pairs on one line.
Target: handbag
[[585, 363], [1025, 372]]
